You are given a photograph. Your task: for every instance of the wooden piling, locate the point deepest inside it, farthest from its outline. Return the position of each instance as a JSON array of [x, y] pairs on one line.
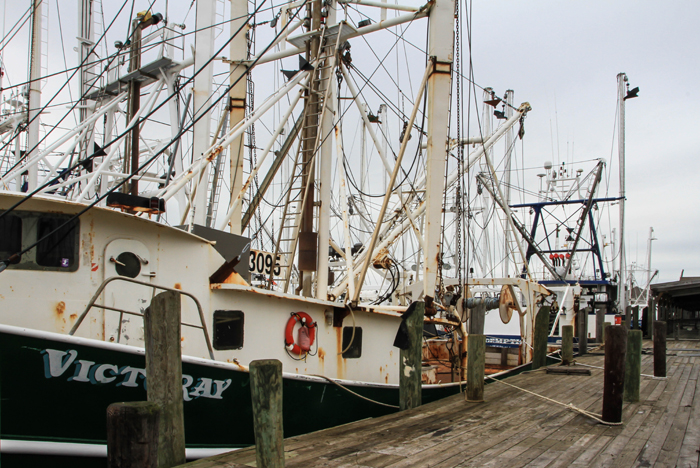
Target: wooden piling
[[411, 361], [605, 328], [132, 435], [266, 395], [633, 366], [635, 318], [567, 345], [164, 375], [539, 353], [582, 328], [600, 323], [659, 349], [614, 372], [476, 356]]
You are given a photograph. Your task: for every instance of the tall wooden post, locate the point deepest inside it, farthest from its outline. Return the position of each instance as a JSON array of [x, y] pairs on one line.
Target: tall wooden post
[[659, 349], [633, 366], [164, 375], [132, 435], [411, 361], [599, 322], [614, 372], [635, 318], [567, 345], [476, 356], [266, 395], [582, 328], [539, 354]]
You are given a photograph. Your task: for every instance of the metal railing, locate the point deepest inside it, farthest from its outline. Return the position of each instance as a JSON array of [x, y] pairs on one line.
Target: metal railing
[[92, 304]]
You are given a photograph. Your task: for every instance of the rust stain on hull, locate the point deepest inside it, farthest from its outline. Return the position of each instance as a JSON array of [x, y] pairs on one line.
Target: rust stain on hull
[[341, 361], [321, 359]]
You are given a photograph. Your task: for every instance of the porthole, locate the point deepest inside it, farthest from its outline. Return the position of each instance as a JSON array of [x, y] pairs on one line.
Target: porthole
[[128, 264]]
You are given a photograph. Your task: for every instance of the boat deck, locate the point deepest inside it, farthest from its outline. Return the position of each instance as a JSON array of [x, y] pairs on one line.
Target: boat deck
[[514, 428]]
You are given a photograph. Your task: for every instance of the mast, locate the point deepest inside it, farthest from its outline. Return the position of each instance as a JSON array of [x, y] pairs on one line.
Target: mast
[[131, 159], [489, 228], [34, 95], [325, 168], [651, 238], [506, 182], [622, 282], [440, 51], [308, 238], [87, 73], [237, 102], [201, 94]]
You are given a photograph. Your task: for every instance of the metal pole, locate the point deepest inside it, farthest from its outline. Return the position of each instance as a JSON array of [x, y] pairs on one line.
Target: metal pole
[[622, 282]]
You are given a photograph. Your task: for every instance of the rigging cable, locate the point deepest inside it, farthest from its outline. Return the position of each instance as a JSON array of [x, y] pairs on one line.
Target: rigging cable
[[16, 256]]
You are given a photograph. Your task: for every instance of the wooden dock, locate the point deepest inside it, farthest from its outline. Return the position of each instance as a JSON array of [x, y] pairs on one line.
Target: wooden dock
[[514, 428]]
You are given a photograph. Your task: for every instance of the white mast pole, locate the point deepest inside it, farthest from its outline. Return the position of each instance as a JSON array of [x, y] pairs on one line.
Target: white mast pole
[[237, 100], [325, 166], [201, 93], [622, 282], [34, 94], [651, 238], [440, 50], [506, 181]]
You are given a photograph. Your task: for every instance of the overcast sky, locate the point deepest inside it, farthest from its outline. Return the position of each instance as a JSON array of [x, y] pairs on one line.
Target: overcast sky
[[563, 57]]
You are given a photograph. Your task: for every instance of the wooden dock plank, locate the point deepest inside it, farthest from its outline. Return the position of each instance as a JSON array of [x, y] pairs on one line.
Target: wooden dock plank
[[516, 429]]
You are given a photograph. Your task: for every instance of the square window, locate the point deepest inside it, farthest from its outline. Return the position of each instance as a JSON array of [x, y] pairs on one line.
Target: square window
[[355, 350], [228, 329], [10, 235], [59, 249]]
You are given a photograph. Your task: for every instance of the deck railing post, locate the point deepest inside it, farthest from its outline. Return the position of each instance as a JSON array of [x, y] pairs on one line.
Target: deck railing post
[[659, 349], [164, 374], [266, 395], [539, 353], [633, 366], [614, 372], [567, 345], [132, 435], [411, 361]]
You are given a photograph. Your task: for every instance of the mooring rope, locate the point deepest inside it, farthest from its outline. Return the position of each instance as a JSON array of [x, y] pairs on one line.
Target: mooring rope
[[356, 394], [594, 416]]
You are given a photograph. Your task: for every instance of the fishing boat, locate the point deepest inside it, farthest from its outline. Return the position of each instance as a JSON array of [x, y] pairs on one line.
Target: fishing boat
[[306, 248]]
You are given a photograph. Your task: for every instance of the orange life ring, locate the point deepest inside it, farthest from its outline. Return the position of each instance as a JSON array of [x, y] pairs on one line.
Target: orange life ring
[[306, 321]]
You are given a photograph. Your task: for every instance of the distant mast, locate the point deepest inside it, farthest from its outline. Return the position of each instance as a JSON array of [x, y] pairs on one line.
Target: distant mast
[[623, 93], [622, 282]]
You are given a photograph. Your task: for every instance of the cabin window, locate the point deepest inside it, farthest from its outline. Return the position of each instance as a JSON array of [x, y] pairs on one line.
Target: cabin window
[[355, 349], [10, 235], [228, 329], [58, 252]]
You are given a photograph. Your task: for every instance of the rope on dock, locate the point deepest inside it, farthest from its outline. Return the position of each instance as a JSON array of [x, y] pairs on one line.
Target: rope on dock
[[356, 394], [602, 368], [594, 416]]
